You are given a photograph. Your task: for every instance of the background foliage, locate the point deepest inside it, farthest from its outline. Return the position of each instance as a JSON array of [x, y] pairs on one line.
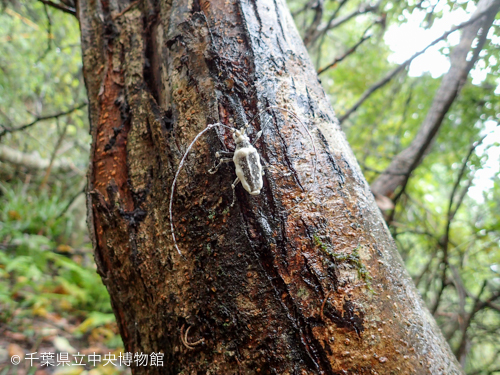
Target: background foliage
[[51, 298], [446, 221]]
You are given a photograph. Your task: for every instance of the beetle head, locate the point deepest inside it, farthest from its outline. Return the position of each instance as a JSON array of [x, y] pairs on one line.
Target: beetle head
[[240, 136]]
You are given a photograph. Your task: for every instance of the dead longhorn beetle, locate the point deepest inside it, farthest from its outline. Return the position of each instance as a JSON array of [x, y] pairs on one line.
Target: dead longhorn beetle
[[247, 161]]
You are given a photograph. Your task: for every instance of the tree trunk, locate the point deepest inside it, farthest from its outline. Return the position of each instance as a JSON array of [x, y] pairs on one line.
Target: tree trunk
[[402, 165], [268, 286]]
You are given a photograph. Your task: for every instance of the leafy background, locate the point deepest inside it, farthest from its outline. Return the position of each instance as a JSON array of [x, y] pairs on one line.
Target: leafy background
[[51, 298]]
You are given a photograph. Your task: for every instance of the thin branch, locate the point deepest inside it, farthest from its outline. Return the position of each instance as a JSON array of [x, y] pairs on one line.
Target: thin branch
[[62, 7], [49, 33], [6, 116], [336, 22], [303, 9], [492, 306], [399, 132], [53, 157], [462, 295], [320, 46], [38, 119], [429, 280], [444, 242], [424, 271], [478, 305], [347, 53], [313, 27], [364, 8], [429, 17], [452, 212], [49, 27], [444, 284], [398, 69], [70, 201], [336, 12]]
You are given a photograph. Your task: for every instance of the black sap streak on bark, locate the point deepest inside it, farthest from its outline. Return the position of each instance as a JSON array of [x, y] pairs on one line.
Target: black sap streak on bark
[[152, 63], [331, 159], [272, 264], [348, 318]]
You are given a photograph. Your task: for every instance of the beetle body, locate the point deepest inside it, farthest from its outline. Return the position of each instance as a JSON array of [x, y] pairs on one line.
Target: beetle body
[[247, 163]]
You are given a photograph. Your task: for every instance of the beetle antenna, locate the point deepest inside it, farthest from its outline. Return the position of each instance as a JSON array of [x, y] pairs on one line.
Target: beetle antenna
[[181, 164]]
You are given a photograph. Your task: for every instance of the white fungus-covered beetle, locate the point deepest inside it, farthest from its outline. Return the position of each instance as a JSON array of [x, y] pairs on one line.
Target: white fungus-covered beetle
[[248, 166], [247, 163]]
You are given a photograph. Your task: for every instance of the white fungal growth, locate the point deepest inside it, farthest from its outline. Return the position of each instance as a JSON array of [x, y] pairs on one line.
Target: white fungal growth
[[248, 169]]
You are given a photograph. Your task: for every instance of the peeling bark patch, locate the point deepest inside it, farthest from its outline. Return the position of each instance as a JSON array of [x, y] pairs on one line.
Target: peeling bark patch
[[111, 133]]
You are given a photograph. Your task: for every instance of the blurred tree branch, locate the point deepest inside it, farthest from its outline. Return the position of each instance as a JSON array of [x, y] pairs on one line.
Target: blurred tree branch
[[451, 85], [351, 50], [399, 68], [33, 161], [38, 119], [315, 33], [65, 8]]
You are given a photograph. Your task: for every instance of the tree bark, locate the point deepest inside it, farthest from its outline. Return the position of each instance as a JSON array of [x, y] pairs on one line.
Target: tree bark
[[402, 165], [263, 288]]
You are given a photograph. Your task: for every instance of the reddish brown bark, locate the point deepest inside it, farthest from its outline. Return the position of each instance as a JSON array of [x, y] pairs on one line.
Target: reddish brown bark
[[317, 290]]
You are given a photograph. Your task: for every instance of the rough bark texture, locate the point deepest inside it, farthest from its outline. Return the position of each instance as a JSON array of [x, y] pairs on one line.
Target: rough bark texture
[[398, 172], [320, 289]]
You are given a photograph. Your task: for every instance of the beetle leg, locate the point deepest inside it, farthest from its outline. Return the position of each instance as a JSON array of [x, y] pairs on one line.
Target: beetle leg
[[221, 153], [236, 182], [216, 167], [264, 164]]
